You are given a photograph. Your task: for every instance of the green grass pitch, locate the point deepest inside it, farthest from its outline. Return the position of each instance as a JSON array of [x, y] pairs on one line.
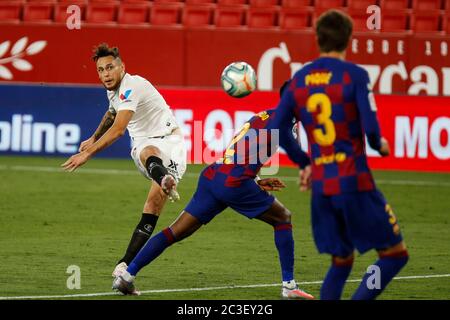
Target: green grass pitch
[[50, 220]]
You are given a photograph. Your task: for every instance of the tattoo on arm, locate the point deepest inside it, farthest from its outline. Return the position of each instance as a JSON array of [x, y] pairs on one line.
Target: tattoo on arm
[[105, 124]]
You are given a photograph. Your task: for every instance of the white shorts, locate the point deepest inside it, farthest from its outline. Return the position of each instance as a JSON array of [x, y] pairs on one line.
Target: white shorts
[[173, 154]]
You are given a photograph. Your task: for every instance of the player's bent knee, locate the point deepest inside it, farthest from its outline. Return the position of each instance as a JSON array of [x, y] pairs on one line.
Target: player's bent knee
[[148, 152], [343, 261], [398, 250]]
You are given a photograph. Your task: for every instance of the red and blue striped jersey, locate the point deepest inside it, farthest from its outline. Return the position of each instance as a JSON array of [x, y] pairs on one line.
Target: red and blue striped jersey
[[333, 100], [251, 148]]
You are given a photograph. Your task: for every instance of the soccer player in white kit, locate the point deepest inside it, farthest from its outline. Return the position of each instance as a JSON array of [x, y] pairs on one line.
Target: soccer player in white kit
[[158, 148]]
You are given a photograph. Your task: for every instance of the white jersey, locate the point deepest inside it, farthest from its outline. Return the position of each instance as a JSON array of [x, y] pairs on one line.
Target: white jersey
[[152, 116]]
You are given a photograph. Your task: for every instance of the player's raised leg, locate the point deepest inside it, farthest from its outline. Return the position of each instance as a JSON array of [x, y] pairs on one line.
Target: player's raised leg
[[151, 157], [280, 218], [184, 226]]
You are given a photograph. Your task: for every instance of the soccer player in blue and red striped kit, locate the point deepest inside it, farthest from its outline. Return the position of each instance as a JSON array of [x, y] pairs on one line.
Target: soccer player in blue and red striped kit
[[232, 182], [333, 100]]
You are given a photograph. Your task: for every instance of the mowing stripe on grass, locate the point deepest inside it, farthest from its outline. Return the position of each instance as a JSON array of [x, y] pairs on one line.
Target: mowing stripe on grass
[[102, 294], [193, 175]]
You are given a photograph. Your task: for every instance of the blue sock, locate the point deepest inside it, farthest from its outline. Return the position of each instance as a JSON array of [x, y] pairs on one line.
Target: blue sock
[[389, 267], [151, 250], [334, 282], [285, 246]]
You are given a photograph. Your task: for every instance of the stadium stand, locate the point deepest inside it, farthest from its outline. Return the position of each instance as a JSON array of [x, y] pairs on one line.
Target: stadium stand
[[421, 16]]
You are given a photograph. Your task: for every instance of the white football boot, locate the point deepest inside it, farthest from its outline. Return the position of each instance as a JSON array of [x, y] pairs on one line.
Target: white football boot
[[125, 284], [290, 290], [119, 269], [169, 186]]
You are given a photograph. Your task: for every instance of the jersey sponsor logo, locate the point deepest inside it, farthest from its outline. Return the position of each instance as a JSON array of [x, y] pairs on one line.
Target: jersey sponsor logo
[[318, 78], [331, 158], [125, 95]]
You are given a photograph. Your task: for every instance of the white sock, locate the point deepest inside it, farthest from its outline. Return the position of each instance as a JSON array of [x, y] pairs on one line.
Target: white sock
[[127, 276], [290, 284]]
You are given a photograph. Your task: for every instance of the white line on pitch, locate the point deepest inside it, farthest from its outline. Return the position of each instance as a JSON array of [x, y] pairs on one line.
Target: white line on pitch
[[100, 294], [195, 175]]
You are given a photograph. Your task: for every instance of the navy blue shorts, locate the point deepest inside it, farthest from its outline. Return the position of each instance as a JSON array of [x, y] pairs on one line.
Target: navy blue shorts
[[361, 220], [212, 197]]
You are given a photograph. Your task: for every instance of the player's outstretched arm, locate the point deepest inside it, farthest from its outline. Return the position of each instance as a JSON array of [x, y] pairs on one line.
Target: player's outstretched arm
[[106, 123], [111, 135]]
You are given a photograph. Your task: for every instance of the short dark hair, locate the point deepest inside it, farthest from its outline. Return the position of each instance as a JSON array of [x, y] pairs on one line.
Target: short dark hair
[[103, 50], [333, 29]]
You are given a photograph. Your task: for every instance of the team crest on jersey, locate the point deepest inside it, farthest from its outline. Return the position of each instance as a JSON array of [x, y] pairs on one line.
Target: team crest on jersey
[[318, 78], [125, 95]]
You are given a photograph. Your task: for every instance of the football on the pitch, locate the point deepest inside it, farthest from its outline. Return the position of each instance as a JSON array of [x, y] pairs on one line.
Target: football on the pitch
[[238, 79]]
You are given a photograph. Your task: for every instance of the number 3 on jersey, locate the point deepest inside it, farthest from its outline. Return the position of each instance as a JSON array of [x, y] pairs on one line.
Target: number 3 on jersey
[[326, 136]]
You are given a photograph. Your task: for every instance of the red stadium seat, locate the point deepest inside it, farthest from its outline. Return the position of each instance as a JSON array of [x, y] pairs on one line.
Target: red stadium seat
[[230, 16], [446, 6], [264, 17], [359, 17], [264, 3], [425, 21], [426, 5], [10, 12], [167, 1], [394, 4], [200, 1], [45, 1], [360, 5], [296, 3], [101, 12], [166, 14], [395, 21], [61, 14], [133, 13], [231, 2], [38, 12], [330, 4], [295, 19], [198, 15], [134, 1]]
